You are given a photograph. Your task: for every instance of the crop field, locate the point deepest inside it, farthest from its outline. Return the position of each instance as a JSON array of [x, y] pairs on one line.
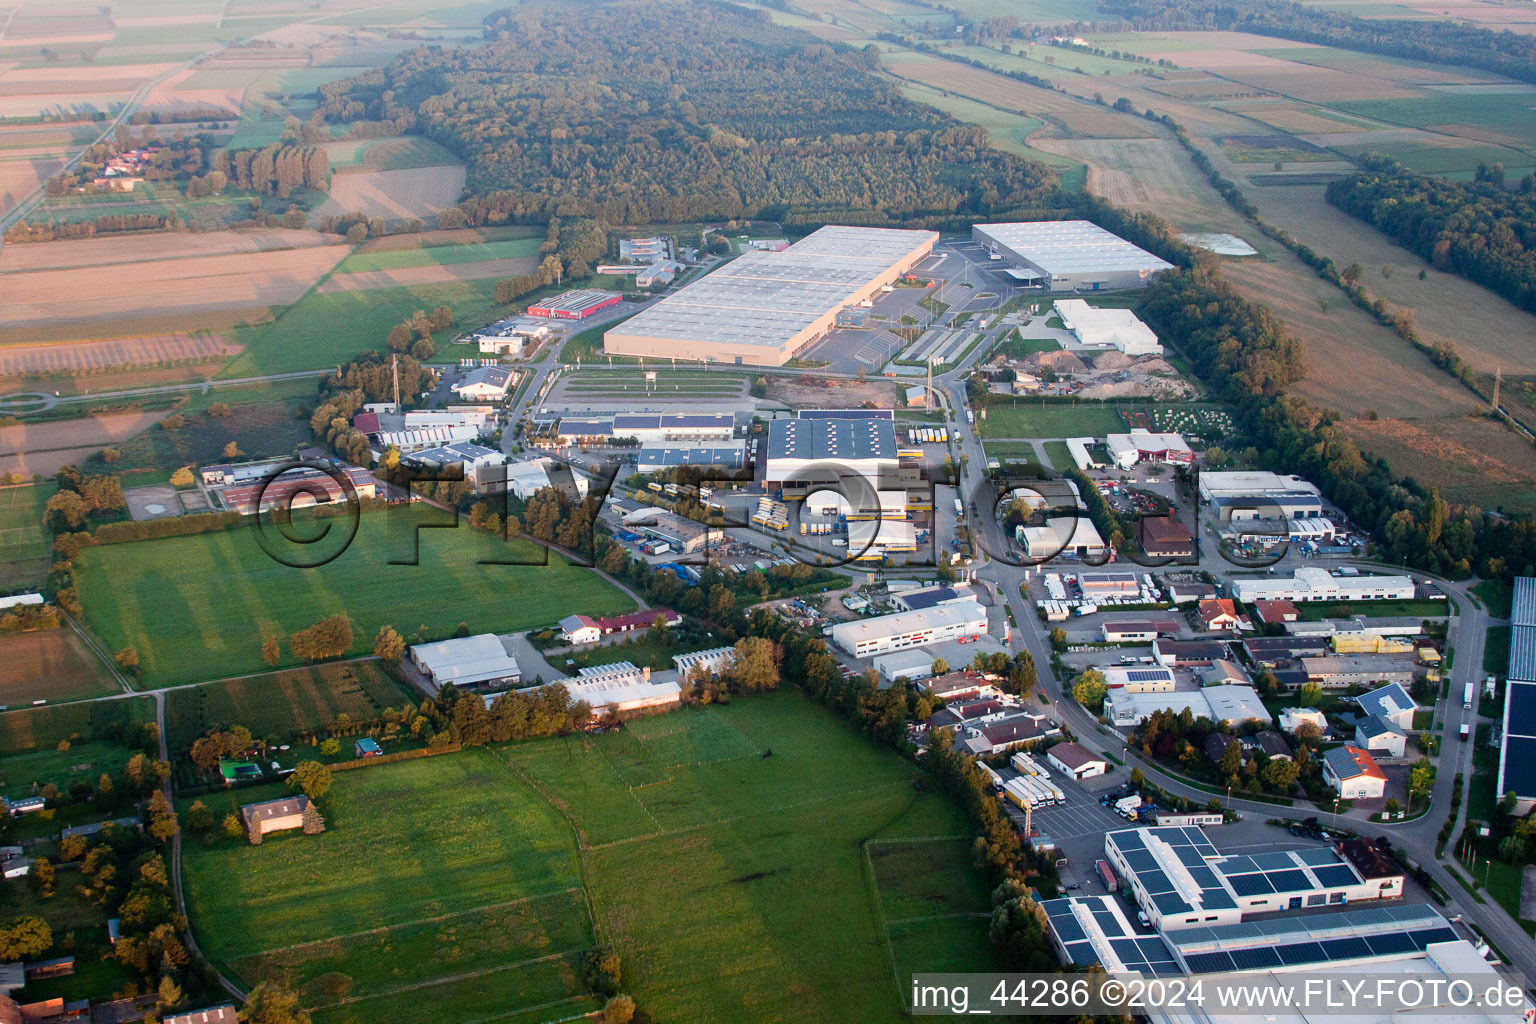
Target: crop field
[[118, 249], [431, 274], [282, 704], [43, 447], [97, 356], [742, 851], [25, 547], [199, 606], [28, 729], [306, 335], [1038, 419], [475, 912], [1470, 458], [52, 665], [1443, 304], [408, 192], [370, 258], [157, 286], [386, 154]]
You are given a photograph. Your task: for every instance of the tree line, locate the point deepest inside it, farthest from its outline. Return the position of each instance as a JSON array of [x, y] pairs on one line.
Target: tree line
[[1480, 229], [1436, 40], [673, 110], [275, 169]]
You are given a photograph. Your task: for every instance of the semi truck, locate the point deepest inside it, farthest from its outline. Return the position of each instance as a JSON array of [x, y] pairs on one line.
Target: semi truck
[[1466, 698], [1466, 730], [1126, 806], [1107, 876]]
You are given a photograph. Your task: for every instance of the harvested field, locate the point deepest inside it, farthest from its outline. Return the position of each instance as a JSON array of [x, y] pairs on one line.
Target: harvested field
[[19, 178], [1354, 364], [1154, 176], [55, 104], [94, 252], [1470, 458], [99, 355], [820, 393], [1322, 85], [1489, 331], [216, 282], [44, 447], [411, 192], [1298, 119], [1085, 121], [52, 665], [25, 546], [413, 276]]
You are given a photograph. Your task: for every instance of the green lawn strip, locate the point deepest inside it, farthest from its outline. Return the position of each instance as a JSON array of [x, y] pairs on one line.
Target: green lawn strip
[[25, 729], [1316, 611], [1497, 596], [439, 255], [25, 774], [1039, 419], [199, 606]]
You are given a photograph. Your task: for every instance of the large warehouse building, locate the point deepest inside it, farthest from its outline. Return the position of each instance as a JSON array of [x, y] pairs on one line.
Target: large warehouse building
[[1068, 255], [864, 638], [764, 307], [1517, 754], [825, 451]]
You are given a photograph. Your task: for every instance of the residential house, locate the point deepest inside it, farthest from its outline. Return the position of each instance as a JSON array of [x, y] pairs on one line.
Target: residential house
[[1292, 718], [276, 815], [1380, 736], [1219, 615], [1391, 702], [1354, 773]]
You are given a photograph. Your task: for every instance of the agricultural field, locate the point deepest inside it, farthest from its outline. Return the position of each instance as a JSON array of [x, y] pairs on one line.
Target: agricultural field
[[1039, 419], [42, 447], [52, 665], [482, 881], [1470, 458], [743, 853], [25, 547], [282, 704], [31, 729], [89, 358], [393, 195], [197, 607], [375, 257]]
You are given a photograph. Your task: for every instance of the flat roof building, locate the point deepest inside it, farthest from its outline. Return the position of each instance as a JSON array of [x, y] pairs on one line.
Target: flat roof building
[[653, 459], [477, 663], [1234, 704], [1517, 754], [1315, 584], [865, 638], [901, 666], [1141, 445], [1069, 255], [1107, 328], [1075, 536], [829, 451], [764, 307], [1245, 483], [575, 305]]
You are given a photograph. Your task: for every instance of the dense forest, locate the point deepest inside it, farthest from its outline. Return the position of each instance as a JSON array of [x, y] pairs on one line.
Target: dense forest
[[1433, 40], [649, 111], [1480, 229]]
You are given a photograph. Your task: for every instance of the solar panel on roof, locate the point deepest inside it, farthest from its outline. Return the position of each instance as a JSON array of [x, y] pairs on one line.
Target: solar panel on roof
[[1429, 936], [1217, 899], [1130, 839], [1301, 953], [1208, 963], [1108, 923], [1255, 958], [1288, 881], [1205, 878], [1238, 865], [1141, 860], [1188, 856], [1250, 885], [1081, 953], [1345, 949], [1171, 903], [1154, 881], [1519, 764], [1153, 949], [1068, 928], [1126, 950], [1146, 675], [1057, 908], [1336, 874], [1389, 944], [1272, 861], [1522, 709], [1316, 857]]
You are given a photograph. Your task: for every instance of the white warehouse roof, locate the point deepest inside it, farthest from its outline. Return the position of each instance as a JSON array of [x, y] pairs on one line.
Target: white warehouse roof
[[849, 634], [1065, 247]]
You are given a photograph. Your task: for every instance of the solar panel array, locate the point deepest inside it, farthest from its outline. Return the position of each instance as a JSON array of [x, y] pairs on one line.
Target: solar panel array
[[1517, 759], [1147, 675], [1147, 954], [1375, 932]]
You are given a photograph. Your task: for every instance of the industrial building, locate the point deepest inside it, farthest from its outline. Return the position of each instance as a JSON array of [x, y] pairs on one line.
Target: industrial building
[[864, 638], [931, 597], [296, 488], [1517, 755], [1137, 631], [1354, 773], [484, 384], [1340, 672], [416, 439], [764, 307], [1234, 704], [1165, 537], [480, 663], [1077, 760], [527, 477], [575, 305], [656, 458], [716, 661], [1141, 445], [1139, 679], [808, 453], [1311, 583], [1097, 328], [1180, 881], [1248, 483], [875, 540], [465, 456], [1072, 536], [661, 428], [904, 666], [622, 687], [1068, 255]]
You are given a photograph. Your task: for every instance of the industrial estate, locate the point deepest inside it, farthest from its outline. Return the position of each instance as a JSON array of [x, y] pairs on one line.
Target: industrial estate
[[671, 511]]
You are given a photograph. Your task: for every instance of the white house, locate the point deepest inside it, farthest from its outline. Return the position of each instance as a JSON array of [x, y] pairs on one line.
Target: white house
[[1391, 703], [1077, 760], [1354, 773], [1292, 718], [580, 629], [1380, 736]]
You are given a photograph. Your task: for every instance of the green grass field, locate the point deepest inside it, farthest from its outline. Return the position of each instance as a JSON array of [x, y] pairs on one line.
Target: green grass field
[[1058, 455], [282, 704], [759, 902], [480, 876], [25, 546], [197, 607], [28, 729], [396, 154], [1036, 419], [25, 774], [440, 255], [322, 330], [52, 665]]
